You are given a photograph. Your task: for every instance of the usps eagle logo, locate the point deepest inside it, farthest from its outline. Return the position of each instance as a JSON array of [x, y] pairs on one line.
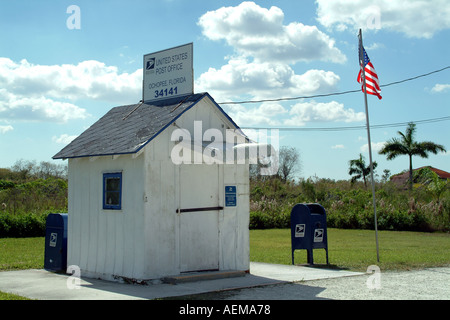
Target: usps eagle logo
[[150, 64]]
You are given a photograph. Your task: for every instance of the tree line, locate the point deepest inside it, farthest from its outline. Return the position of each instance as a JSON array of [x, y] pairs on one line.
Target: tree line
[[26, 170], [349, 203], [31, 187]]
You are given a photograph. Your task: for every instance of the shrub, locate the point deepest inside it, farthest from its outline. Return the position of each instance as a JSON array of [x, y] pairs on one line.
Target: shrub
[[22, 225], [271, 214], [34, 196], [349, 205]]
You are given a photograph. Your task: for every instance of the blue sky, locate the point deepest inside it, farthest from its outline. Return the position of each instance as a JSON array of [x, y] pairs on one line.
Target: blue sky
[[55, 81]]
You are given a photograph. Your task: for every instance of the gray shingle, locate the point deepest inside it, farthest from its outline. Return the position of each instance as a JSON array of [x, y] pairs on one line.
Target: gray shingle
[[126, 129]]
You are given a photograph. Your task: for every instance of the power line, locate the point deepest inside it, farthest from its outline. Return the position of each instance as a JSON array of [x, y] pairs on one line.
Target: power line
[[360, 127], [334, 93], [416, 77]]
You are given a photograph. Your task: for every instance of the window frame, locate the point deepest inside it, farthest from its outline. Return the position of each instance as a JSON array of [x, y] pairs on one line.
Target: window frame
[[107, 176]]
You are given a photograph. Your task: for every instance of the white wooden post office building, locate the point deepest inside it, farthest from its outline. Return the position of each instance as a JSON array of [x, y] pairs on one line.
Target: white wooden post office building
[[135, 212]]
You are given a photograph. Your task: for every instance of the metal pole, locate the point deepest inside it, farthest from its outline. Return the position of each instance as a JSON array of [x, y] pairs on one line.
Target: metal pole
[[363, 76]]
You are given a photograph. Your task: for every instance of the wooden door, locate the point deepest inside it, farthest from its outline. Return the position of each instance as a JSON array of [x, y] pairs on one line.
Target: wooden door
[[199, 217]]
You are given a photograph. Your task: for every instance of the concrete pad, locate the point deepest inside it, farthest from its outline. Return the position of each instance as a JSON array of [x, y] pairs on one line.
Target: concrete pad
[[44, 285]]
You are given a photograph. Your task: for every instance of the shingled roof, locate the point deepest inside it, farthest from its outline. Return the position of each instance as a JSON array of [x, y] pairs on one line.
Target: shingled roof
[[127, 129]]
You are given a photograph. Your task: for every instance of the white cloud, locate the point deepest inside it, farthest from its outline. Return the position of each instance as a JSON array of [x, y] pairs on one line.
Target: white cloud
[[374, 46], [440, 87], [64, 138], [260, 68], [15, 107], [88, 79], [275, 115], [264, 80], [338, 146], [313, 111], [376, 146], [259, 32], [265, 48], [414, 18], [265, 114], [43, 92], [4, 129]]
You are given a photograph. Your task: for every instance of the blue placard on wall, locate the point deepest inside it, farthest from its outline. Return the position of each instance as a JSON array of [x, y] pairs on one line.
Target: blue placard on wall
[[230, 196]]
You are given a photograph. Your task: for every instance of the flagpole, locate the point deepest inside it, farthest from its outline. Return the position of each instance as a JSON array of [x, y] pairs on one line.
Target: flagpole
[[363, 77]]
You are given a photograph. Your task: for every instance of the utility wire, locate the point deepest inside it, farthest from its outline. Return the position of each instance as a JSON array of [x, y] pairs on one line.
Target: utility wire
[[416, 77], [334, 93], [378, 126]]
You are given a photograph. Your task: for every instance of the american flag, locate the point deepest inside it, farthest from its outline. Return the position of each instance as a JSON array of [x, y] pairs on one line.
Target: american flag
[[372, 84]]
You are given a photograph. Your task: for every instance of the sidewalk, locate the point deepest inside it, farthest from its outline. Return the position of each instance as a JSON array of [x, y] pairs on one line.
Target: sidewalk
[[43, 285]]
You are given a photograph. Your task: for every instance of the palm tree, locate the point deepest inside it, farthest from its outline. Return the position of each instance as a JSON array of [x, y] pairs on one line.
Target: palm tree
[[359, 169], [407, 145]]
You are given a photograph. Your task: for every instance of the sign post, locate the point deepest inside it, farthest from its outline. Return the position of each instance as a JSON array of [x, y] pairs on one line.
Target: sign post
[[168, 73]]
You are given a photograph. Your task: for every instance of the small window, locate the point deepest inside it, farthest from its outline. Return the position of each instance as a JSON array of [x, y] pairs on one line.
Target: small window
[[112, 191]]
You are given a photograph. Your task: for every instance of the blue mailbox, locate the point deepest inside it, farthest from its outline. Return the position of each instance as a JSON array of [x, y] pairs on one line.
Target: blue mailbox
[[309, 229], [55, 256]]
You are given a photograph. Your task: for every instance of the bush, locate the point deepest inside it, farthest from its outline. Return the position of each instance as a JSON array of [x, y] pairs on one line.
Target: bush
[[269, 220], [22, 225], [349, 206], [266, 214], [34, 196], [24, 206]]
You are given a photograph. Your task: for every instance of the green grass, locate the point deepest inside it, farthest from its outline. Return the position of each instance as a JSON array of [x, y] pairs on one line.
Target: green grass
[[10, 296], [356, 249], [347, 249], [21, 253]]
